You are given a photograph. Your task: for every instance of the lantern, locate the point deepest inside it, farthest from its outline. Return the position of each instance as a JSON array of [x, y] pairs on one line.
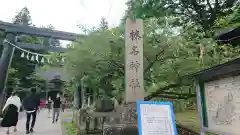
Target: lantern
[[55, 86]]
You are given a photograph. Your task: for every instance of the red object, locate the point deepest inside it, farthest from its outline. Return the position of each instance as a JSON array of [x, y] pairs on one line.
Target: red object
[[42, 104]]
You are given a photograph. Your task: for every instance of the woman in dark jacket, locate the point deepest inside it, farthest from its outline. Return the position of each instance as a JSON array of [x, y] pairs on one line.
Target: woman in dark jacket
[[11, 111]]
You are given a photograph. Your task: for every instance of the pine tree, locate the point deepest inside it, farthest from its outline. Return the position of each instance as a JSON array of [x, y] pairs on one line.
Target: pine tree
[[24, 67], [23, 17], [103, 24]]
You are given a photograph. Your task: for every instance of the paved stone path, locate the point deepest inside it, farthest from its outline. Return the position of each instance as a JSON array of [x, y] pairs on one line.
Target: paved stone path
[[43, 126]]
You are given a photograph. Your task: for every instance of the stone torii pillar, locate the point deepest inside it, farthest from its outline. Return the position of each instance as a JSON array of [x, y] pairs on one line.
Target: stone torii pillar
[[5, 62]]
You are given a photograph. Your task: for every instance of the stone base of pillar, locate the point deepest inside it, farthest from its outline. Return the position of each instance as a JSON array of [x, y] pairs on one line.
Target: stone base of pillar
[[82, 120], [128, 122], [129, 113]]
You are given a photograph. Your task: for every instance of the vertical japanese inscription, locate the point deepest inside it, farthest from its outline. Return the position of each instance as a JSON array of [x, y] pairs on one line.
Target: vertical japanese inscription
[[135, 35], [134, 60], [134, 85], [134, 66]]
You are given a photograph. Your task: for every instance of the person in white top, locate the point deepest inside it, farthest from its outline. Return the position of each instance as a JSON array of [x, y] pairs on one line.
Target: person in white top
[[49, 104], [11, 111]]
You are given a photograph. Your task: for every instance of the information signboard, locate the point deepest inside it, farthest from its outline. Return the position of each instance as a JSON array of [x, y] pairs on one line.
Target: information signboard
[[156, 118]]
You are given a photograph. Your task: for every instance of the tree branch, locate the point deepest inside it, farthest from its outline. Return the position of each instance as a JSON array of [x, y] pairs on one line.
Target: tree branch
[[118, 66], [146, 58], [178, 94], [160, 90], [152, 63], [174, 96], [209, 5]]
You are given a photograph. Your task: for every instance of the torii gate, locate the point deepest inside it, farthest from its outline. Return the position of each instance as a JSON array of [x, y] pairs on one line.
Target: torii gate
[[12, 30]]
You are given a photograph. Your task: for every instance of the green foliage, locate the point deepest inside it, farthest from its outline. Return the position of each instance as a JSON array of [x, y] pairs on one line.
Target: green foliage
[[170, 52], [175, 31], [13, 80], [96, 60], [103, 24], [192, 24], [183, 12], [38, 81], [104, 62], [229, 21], [25, 69], [23, 17], [69, 91], [71, 128], [53, 42]]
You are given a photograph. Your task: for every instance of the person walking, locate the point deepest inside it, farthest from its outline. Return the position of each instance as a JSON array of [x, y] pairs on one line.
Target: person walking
[[56, 108], [11, 111], [63, 106], [49, 105], [31, 105]]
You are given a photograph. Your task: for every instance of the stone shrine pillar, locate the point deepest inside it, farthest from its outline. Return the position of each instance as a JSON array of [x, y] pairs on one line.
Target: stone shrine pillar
[[133, 69], [133, 80], [5, 63]]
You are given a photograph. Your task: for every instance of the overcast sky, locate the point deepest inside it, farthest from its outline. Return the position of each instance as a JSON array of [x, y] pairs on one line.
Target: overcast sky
[[66, 14]]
